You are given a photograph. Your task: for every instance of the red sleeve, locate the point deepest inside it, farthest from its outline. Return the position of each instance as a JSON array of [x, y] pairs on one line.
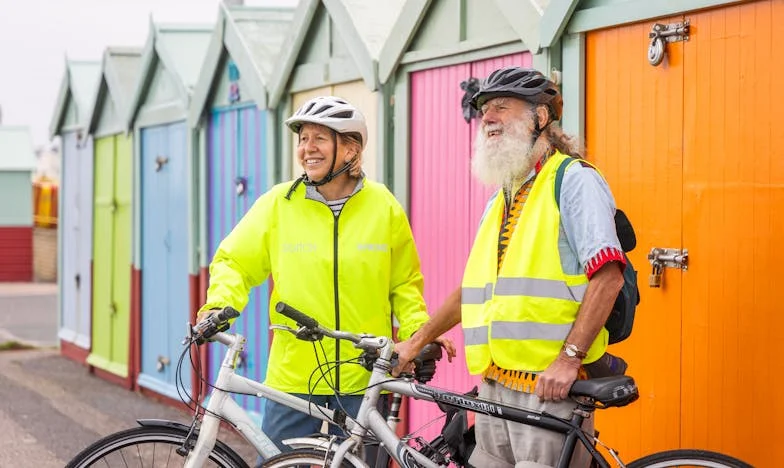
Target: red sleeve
[[604, 256]]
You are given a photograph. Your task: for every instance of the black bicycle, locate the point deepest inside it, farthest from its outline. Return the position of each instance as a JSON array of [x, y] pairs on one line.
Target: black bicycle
[[447, 449]]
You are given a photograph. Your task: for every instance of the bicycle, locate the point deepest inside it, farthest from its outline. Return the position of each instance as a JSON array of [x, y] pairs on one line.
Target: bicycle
[[197, 444], [590, 395]]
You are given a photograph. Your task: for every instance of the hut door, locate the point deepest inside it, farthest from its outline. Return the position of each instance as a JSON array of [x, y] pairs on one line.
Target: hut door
[[689, 147], [112, 254], [237, 172], [733, 191], [447, 202], [164, 256], [634, 133], [77, 240]]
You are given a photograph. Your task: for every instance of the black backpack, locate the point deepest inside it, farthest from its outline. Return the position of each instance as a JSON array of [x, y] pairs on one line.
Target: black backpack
[[619, 323]]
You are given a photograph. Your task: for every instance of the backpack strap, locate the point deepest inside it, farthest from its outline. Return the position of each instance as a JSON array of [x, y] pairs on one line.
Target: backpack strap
[[559, 175]]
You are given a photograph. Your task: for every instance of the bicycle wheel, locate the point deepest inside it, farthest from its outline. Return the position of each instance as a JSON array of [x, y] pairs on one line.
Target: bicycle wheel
[[148, 446], [303, 458], [684, 458]]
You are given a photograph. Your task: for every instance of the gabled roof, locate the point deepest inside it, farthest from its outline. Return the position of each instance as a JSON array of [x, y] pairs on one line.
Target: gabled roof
[[78, 84], [181, 49], [16, 149], [119, 73], [524, 17], [554, 20], [364, 26], [254, 38]]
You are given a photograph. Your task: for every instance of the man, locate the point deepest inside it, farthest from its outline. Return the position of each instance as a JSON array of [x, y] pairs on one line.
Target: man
[[541, 277]]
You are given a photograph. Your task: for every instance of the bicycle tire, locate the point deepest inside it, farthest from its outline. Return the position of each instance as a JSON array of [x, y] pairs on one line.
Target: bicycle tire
[[140, 443], [301, 457], [688, 457]]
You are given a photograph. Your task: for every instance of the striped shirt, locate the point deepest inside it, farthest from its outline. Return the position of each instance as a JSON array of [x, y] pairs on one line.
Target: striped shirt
[[337, 205]]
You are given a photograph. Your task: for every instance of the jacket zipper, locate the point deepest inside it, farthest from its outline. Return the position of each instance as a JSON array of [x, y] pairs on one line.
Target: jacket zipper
[[335, 282], [337, 297]]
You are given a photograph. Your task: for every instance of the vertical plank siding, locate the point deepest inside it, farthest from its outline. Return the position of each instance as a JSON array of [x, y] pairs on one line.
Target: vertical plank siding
[[164, 279], [236, 148], [447, 202], [689, 150]]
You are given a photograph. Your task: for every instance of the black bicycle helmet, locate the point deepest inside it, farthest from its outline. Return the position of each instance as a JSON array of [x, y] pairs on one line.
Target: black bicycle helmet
[[524, 83]]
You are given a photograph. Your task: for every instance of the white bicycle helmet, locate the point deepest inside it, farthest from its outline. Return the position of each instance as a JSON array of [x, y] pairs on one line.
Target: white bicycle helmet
[[332, 112]]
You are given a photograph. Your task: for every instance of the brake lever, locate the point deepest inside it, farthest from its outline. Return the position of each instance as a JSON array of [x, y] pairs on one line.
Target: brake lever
[[284, 328], [302, 333]]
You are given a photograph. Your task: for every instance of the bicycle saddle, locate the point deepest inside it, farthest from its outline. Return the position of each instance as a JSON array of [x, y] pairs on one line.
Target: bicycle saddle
[[607, 391]]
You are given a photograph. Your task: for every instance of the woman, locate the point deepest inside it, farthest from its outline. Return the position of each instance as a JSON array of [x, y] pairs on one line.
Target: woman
[[339, 248]]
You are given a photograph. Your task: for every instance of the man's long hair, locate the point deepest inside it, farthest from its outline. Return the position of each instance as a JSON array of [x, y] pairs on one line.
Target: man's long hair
[[565, 144]]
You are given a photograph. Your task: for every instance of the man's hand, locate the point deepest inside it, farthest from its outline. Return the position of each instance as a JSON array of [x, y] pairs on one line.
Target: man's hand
[[448, 346], [554, 383], [407, 351]]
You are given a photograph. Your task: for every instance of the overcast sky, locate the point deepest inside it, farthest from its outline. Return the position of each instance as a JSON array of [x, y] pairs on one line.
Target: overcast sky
[[36, 35]]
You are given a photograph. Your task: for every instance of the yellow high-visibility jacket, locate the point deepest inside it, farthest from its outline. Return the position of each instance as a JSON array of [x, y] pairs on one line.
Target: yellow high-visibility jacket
[[519, 317], [352, 272]]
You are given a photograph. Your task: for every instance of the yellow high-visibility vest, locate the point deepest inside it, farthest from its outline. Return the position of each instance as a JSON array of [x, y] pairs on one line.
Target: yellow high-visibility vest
[[519, 317]]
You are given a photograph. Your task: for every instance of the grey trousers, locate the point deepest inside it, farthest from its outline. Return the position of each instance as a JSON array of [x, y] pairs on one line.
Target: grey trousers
[[506, 444]]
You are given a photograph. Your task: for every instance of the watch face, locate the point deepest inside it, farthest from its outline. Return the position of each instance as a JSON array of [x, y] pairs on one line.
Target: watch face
[[570, 351]]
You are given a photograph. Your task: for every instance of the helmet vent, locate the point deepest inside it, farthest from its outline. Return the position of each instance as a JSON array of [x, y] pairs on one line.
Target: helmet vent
[[343, 115]]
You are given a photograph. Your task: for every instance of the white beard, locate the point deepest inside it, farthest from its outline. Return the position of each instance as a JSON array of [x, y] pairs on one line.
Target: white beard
[[506, 159]]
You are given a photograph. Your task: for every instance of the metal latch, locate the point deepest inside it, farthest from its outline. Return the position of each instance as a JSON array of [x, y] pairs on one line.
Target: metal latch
[[666, 258], [661, 34], [161, 363], [160, 161]]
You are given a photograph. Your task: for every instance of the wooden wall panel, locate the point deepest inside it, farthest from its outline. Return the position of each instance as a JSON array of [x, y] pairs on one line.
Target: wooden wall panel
[[634, 135], [733, 188]]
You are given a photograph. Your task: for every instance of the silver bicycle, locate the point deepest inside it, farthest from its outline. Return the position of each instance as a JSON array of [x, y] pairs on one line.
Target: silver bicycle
[[162, 443]]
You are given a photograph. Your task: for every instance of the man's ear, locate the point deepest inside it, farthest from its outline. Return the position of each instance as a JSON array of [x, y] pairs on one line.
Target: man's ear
[[542, 115]]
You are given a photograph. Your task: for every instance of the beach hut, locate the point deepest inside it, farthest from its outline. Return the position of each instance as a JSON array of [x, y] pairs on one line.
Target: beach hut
[[17, 164], [112, 216], [236, 156], [334, 50], [69, 121], [163, 250], [679, 104], [437, 53]]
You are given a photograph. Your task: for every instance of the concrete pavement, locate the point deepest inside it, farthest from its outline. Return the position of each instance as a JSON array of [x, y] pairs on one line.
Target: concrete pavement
[[28, 314], [52, 407]]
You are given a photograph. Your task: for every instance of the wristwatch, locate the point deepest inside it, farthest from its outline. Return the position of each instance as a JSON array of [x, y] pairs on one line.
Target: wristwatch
[[572, 351]]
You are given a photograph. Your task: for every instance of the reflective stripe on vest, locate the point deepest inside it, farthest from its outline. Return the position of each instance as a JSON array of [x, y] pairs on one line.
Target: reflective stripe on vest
[[519, 317]]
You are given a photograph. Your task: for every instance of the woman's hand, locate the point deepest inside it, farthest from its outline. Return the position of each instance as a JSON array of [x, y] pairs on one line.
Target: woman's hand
[[204, 314]]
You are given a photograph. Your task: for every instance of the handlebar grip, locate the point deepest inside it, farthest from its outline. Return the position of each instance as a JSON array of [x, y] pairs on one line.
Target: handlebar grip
[[225, 314], [297, 316]]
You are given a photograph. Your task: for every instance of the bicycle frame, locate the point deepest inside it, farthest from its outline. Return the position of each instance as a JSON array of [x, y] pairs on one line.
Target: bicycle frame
[[369, 418], [222, 406]]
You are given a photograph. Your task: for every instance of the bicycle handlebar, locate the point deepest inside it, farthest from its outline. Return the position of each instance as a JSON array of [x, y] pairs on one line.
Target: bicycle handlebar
[[299, 317], [213, 324], [311, 325]]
